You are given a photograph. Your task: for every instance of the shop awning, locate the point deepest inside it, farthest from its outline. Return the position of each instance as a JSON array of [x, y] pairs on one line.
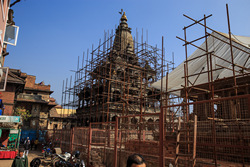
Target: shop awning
[[15, 119]]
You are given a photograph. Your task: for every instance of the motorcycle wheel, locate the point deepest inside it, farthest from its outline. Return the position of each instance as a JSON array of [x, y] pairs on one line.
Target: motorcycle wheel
[[54, 160], [64, 165], [61, 163]]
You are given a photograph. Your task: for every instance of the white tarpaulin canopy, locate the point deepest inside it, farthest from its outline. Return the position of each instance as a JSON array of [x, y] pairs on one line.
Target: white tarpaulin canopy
[[196, 66]]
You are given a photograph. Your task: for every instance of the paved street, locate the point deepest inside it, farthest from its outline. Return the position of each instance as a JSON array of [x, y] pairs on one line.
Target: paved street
[[31, 156]]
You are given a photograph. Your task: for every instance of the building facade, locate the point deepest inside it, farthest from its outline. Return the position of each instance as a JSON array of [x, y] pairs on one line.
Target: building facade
[[60, 118], [36, 99], [15, 84]]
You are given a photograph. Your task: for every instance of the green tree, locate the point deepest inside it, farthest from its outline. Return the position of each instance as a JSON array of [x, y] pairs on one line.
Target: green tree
[[21, 111]]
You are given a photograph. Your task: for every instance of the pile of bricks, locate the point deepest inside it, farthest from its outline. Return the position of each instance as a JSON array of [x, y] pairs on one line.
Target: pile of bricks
[[146, 147], [170, 145], [96, 158]]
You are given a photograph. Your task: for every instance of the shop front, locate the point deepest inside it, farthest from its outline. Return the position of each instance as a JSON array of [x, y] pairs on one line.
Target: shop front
[[10, 131]]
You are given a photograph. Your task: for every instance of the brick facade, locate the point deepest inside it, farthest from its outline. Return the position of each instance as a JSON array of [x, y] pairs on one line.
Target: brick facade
[[30, 84], [30, 81], [8, 99], [36, 99], [15, 83]]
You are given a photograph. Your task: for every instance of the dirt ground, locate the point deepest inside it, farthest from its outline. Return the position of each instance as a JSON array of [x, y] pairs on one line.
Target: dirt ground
[[31, 156]]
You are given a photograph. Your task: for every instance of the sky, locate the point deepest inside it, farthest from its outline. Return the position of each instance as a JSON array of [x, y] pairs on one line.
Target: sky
[[54, 33]]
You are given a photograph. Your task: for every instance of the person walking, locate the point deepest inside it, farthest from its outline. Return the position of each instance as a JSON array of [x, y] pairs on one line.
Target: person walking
[[26, 146], [20, 160], [31, 144], [22, 141], [36, 143]]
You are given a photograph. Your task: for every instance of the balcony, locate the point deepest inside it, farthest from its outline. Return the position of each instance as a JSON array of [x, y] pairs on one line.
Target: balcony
[[30, 98]]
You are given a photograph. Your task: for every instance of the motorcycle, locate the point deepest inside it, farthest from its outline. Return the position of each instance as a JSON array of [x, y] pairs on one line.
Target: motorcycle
[[76, 159], [63, 160], [46, 151]]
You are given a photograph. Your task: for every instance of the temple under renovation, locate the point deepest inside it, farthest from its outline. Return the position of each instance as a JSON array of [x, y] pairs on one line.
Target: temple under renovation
[[128, 101], [116, 79]]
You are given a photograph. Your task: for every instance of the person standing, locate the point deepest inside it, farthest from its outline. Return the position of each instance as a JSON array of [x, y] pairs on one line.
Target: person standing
[[26, 146], [36, 143], [136, 160], [31, 144], [22, 141], [21, 160]]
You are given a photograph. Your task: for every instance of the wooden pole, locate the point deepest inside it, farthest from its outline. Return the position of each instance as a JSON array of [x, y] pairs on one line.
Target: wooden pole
[[177, 141], [161, 144], [194, 144], [115, 144]]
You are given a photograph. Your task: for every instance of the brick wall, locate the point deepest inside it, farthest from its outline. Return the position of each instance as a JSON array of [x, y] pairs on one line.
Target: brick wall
[[42, 87], [8, 110], [30, 81], [8, 99]]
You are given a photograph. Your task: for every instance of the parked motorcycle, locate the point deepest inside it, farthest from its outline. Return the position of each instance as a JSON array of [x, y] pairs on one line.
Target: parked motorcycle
[[65, 160], [76, 159], [46, 151]]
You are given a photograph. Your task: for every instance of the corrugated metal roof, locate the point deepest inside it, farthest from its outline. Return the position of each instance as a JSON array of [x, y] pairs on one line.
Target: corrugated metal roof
[[220, 49]]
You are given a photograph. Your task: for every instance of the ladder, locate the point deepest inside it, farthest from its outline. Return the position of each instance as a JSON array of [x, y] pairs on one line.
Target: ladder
[[188, 155]]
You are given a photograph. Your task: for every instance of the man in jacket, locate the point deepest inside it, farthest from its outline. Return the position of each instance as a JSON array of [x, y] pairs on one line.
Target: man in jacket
[[36, 143], [21, 160], [26, 146]]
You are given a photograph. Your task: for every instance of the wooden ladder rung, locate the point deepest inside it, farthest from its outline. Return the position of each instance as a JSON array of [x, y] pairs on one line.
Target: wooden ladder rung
[[185, 130], [185, 142], [168, 135], [184, 155]]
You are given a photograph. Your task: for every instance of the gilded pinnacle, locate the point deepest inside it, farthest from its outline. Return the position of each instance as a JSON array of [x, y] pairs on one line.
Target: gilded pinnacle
[[124, 17]]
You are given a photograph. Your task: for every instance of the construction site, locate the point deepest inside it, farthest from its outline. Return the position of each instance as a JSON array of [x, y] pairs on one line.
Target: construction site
[[130, 99]]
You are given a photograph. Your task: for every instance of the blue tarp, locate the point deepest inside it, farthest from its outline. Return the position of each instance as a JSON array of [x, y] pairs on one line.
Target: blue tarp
[[32, 134]]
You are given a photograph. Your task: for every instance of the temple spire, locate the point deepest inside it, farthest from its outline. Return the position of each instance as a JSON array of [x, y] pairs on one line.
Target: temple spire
[[123, 40]]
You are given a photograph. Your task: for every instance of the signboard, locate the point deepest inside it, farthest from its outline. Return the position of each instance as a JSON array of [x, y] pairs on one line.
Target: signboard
[[14, 131], [9, 118]]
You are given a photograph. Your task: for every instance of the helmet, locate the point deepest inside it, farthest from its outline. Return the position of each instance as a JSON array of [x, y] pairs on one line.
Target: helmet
[[67, 156], [77, 154]]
